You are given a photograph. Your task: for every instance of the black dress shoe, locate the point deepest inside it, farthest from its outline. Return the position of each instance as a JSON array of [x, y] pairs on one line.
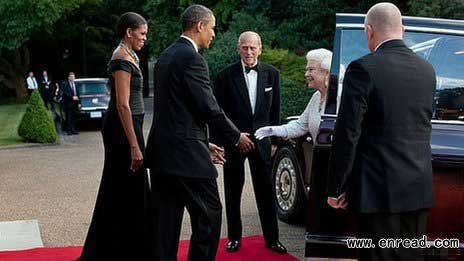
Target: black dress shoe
[[232, 246], [277, 247]]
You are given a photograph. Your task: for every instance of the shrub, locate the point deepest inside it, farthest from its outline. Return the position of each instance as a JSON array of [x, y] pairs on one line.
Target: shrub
[[290, 65], [293, 98], [37, 124], [222, 52]]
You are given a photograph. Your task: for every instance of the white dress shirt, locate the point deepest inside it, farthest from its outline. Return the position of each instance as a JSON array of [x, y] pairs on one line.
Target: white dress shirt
[[309, 120], [190, 40], [31, 83], [251, 80]]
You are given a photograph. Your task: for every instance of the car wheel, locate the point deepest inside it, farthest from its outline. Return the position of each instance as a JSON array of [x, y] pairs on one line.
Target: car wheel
[[288, 188]]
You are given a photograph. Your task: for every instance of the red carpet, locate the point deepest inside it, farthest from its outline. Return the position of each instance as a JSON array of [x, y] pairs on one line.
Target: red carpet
[[252, 249]]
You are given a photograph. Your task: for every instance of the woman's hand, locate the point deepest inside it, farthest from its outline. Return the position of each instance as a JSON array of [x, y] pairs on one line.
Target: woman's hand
[[268, 131], [136, 157]]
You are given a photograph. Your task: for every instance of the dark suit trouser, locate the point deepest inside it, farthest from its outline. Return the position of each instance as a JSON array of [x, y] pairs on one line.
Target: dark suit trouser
[[234, 178], [201, 198], [388, 225], [71, 114]]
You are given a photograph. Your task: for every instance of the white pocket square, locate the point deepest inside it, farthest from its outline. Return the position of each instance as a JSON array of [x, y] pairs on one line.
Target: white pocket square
[[268, 89]]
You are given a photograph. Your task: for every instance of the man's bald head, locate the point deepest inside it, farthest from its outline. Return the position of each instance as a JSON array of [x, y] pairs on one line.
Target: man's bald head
[[383, 22]]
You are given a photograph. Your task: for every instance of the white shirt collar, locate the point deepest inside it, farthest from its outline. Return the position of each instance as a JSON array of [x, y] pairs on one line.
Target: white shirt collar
[[385, 42], [244, 65], [190, 39]]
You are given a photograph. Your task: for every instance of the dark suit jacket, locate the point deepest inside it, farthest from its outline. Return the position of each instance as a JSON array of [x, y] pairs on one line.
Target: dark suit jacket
[[231, 93], [67, 94], [183, 106], [381, 154]]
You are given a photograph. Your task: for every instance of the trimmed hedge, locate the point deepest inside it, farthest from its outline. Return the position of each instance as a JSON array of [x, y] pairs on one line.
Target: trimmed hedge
[[293, 98], [37, 124], [291, 66]]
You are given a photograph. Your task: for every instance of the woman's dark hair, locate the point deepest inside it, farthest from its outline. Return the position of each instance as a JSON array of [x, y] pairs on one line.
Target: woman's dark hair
[[128, 20]]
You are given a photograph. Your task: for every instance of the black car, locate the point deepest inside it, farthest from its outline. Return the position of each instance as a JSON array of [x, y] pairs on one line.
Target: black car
[[300, 166], [94, 97]]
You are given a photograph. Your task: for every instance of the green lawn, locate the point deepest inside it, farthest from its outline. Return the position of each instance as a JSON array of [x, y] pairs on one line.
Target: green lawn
[[10, 117]]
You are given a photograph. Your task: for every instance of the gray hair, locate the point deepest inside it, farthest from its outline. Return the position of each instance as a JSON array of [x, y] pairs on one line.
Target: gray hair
[[248, 34], [195, 14], [322, 56]]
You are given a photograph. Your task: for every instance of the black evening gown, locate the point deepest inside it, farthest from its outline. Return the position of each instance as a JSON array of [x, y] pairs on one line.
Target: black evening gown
[[121, 226]]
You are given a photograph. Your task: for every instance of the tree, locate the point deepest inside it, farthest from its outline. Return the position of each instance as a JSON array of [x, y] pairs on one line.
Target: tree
[[37, 124], [19, 21], [452, 9]]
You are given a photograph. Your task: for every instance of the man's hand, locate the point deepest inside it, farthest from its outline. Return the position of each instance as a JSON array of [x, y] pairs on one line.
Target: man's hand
[[273, 150], [244, 143], [217, 154], [75, 98], [339, 202], [268, 131]]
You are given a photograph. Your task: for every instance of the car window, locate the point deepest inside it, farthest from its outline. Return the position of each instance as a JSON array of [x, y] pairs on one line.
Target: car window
[[444, 52], [449, 97], [89, 88]]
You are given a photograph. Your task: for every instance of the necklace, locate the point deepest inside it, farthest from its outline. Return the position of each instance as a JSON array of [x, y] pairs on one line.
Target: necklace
[[131, 52]]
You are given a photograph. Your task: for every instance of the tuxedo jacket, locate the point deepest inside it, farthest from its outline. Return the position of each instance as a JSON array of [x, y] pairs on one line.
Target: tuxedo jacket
[[381, 153], [231, 91], [183, 106]]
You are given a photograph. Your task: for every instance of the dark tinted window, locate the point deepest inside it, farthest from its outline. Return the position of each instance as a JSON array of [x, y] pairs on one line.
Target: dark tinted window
[[444, 52], [91, 87]]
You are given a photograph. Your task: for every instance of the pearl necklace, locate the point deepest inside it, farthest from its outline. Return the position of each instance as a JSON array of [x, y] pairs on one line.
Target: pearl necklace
[[131, 52]]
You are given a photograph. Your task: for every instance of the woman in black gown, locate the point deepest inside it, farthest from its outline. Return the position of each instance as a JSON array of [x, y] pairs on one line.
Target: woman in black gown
[[120, 229]]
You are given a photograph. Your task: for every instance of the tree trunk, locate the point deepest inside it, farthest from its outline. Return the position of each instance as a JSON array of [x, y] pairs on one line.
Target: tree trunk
[[13, 69]]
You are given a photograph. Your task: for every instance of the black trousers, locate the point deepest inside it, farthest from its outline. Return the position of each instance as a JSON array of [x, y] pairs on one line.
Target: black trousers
[[201, 198], [70, 111], [234, 178], [406, 225]]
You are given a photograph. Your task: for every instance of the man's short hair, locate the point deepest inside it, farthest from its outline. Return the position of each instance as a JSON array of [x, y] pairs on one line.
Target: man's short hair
[[195, 14], [247, 34]]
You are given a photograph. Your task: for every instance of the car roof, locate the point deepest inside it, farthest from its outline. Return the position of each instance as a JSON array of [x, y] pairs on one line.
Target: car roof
[[90, 79], [420, 24]]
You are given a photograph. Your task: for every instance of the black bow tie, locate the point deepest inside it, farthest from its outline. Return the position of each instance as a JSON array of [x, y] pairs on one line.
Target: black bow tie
[[248, 68]]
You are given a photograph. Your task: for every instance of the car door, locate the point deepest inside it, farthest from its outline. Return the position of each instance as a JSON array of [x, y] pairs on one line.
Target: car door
[[328, 229]]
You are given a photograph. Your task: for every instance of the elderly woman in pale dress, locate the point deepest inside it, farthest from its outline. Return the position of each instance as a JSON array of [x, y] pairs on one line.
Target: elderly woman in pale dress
[[317, 76]]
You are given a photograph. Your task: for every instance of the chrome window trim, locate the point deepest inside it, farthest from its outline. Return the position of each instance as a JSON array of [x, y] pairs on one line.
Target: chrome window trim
[[93, 108], [404, 17], [449, 122], [408, 29]]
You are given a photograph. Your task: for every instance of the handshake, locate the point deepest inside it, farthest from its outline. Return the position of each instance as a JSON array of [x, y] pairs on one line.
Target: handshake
[[244, 143]]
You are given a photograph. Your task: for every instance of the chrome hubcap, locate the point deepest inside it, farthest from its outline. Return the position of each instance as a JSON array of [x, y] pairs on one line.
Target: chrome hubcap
[[285, 184]]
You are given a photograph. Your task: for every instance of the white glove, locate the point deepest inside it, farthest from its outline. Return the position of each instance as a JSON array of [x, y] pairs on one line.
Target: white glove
[[264, 132]]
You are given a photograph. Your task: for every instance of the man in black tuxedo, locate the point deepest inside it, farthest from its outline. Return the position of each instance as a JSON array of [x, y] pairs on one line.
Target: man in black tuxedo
[[249, 92], [177, 152], [381, 157], [70, 103]]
